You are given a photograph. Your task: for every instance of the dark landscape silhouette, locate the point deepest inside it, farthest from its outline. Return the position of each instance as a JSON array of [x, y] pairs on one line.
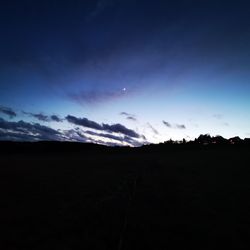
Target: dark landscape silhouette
[[65, 195]]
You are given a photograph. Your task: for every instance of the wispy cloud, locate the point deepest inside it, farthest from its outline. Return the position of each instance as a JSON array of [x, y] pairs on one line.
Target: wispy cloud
[[152, 128], [107, 139], [129, 116], [56, 118], [76, 135], [167, 124], [130, 141], [126, 114], [43, 117], [40, 116], [180, 126], [8, 111], [170, 125]]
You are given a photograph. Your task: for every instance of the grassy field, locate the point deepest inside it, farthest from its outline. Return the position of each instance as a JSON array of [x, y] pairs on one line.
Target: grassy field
[[100, 198]]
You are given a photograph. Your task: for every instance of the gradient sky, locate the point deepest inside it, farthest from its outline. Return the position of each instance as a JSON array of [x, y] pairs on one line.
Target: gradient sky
[[161, 69]]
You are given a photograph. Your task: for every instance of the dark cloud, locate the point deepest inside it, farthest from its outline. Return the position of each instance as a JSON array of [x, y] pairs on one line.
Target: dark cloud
[[152, 128], [55, 118], [116, 128], [40, 117], [129, 116], [144, 138], [8, 111], [167, 124], [84, 122], [43, 117], [24, 131], [133, 142], [125, 113], [27, 131], [95, 97], [12, 136], [119, 128], [178, 126]]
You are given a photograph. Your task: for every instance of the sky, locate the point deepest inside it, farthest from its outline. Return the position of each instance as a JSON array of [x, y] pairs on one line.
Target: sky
[[124, 72]]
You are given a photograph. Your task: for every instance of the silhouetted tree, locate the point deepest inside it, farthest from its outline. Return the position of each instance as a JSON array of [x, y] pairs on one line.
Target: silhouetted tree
[[204, 139], [219, 140], [235, 140]]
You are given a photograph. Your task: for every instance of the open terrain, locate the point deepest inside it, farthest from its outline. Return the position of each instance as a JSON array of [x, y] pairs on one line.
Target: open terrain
[[76, 196]]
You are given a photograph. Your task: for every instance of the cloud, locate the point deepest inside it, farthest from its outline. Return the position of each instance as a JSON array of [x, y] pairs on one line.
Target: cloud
[[152, 128], [130, 117], [119, 128], [84, 122], [107, 139], [116, 128], [44, 118], [76, 135], [40, 117], [126, 114], [27, 131], [8, 111], [178, 126], [24, 131], [167, 124], [55, 118], [83, 135], [110, 136], [120, 139], [11, 136], [95, 97]]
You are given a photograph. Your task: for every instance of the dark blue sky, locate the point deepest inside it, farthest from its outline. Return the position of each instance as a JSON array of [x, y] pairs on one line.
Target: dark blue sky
[[162, 69]]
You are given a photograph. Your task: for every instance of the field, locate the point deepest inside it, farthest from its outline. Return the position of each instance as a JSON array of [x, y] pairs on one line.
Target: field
[[90, 197]]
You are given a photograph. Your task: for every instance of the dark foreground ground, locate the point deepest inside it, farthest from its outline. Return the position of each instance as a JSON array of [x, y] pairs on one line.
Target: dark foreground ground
[[87, 197]]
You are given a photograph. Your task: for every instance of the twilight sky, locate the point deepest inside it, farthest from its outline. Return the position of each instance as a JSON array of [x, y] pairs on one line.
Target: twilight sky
[[124, 71]]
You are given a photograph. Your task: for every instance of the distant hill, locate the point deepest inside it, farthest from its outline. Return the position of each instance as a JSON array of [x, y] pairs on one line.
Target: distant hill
[[59, 147]]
